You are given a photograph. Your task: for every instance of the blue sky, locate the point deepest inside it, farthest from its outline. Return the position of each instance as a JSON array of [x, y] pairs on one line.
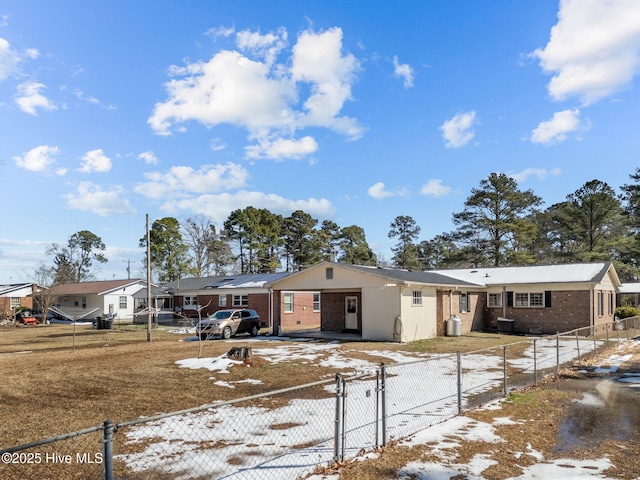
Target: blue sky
[[351, 111]]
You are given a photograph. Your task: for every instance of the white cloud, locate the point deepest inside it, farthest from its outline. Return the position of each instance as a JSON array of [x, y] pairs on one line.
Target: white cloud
[[218, 207], [95, 161], [539, 173], [266, 46], [281, 148], [81, 96], [9, 60], [558, 128], [183, 181], [378, 191], [593, 50], [217, 145], [435, 188], [318, 60], [458, 131], [29, 98], [92, 198], [32, 53], [38, 159], [253, 91], [404, 71], [220, 32], [148, 157]]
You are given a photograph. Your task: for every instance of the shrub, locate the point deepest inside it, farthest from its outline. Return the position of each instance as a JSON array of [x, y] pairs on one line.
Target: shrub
[[626, 312]]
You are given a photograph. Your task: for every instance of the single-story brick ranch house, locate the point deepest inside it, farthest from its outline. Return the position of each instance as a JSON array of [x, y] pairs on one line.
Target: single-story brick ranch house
[[210, 294], [400, 305]]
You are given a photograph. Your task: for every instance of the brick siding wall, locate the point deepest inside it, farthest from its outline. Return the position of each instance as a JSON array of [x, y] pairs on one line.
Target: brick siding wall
[[569, 310], [303, 314], [333, 310]]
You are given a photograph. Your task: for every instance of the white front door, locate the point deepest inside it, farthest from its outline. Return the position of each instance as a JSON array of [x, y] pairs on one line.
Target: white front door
[[351, 313]]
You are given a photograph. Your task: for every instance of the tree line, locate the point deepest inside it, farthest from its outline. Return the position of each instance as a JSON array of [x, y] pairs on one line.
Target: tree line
[[500, 225]]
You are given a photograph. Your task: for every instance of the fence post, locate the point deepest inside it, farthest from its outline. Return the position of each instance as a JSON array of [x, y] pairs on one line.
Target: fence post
[[557, 351], [459, 357], [344, 418], [626, 326], [535, 361], [336, 434], [383, 401], [504, 370], [377, 412], [607, 325], [578, 347], [107, 450]]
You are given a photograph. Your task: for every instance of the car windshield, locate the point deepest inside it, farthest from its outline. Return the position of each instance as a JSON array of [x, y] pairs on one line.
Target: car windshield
[[221, 315]]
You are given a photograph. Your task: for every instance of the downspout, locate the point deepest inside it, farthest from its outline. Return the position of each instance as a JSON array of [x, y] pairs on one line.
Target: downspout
[[504, 301], [591, 305], [271, 309]]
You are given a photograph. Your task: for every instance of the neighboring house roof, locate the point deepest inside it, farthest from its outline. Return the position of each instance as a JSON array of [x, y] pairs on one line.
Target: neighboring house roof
[[91, 288], [156, 292], [190, 283], [564, 273], [5, 290], [258, 280], [629, 288]]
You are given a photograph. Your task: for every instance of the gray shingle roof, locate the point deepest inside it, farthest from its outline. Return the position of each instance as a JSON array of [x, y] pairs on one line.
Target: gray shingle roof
[[416, 276]]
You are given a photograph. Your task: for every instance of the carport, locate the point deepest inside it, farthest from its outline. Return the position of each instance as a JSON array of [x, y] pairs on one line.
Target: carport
[[379, 304]]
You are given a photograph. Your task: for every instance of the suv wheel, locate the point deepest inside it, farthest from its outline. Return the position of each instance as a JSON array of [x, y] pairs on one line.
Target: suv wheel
[[254, 331], [226, 333]]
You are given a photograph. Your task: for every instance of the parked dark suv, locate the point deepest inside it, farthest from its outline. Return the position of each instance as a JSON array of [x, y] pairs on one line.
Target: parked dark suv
[[227, 323]]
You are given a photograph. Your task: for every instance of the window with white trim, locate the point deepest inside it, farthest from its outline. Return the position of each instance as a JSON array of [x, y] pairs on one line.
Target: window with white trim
[[15, 302], [534, 299], [600, 303], [417, 298], [464, 302], [288, 302], [494, 300], [611, 309], [316, 302], [190, 300], [222, 300], [241, 300], [123, 301]]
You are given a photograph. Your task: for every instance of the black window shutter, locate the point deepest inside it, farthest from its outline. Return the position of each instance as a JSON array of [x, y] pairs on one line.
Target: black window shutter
[[547, 298], [509, 299]]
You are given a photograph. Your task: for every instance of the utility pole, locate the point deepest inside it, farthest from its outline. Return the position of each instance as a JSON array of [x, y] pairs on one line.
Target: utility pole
[[148, 282]]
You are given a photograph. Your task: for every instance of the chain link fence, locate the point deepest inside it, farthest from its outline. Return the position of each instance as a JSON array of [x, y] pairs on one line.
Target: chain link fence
[[289, 433]]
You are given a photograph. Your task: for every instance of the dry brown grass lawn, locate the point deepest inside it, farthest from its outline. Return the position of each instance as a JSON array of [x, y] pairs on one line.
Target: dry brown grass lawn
[[73, 380], [57, 380]]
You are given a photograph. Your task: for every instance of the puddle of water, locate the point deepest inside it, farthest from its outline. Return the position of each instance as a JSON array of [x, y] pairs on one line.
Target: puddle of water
[[607, 409]]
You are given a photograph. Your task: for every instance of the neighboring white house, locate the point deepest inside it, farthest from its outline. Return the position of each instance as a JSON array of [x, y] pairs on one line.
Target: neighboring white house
[[90, 300]]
